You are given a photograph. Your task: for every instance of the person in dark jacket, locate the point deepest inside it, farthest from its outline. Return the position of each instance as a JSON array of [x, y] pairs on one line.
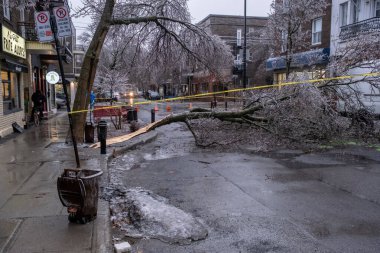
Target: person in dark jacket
[[38, 102]]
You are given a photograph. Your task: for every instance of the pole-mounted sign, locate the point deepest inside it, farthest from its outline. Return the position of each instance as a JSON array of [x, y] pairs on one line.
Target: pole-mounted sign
[[43, 27], [52, 77], [63, 21]]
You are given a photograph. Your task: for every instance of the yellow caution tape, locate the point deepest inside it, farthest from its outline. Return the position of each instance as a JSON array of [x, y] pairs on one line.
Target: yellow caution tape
[[211, 94]]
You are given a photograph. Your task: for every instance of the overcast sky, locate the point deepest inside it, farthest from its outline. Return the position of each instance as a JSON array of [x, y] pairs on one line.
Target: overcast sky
[[199, 9]]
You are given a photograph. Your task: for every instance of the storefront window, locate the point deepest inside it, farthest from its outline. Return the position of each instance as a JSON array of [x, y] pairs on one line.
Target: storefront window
[[11, 91], [6, 10], [279, 78]]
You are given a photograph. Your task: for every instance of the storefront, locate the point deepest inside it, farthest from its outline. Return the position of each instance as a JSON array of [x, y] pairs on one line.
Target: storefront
[[13, 73], [311, 64]]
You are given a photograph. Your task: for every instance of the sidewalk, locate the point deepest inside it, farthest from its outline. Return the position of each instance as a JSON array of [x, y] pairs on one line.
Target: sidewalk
[[32, 218]]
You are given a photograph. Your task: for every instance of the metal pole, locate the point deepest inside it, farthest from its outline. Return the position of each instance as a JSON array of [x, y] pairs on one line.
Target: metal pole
[[57, 46], [245, 47], [152, 116]]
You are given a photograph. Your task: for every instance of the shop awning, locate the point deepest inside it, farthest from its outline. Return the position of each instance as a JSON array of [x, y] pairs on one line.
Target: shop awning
[[14, 66], [304, 59], [37, 46]]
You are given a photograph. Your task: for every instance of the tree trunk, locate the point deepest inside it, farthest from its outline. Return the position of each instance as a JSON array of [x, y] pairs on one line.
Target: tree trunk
[[88, 70]]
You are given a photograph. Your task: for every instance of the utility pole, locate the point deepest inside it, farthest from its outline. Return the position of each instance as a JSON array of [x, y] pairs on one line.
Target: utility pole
[[245, 47], [64, 83]]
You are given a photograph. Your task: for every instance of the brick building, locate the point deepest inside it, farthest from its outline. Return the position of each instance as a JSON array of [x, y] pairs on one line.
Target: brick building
[[231, 30], [311, 56]]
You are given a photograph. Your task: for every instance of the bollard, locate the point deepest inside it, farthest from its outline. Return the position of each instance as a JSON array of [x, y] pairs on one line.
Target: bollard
[[153, 115], [225, 105], [102, 136]]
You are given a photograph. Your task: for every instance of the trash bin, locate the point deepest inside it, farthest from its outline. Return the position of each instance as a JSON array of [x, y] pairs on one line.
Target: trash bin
[[78, 190], [135, 114], [89, 132]]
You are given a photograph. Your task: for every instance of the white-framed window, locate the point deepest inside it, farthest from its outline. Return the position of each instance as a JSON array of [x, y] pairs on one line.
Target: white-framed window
[[6, 10], [284, 41], [355, 10], [376, 8], [343, 14], [316, 36]]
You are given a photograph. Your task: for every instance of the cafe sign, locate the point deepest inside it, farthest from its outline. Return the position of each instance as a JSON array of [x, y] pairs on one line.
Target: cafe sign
[[13, 43]]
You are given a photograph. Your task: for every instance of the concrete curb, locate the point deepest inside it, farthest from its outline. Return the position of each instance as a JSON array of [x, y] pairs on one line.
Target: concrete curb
[[142, 139], [102, 241]]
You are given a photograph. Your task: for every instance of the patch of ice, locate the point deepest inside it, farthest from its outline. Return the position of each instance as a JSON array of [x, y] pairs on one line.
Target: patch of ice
[[144, 214], [124, 163]]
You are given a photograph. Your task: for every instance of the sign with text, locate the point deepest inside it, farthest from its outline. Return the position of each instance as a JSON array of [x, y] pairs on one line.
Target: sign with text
[[63, 21], [13, 43], [43, 27]]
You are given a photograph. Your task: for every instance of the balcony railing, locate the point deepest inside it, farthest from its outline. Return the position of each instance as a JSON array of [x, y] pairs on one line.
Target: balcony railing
[[79, 48], [363, 27]]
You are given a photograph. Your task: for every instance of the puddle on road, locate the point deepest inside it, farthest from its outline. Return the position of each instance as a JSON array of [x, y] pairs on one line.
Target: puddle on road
[[258, 246], [361, 228], [355, 228], [292, 177], [316, 159]]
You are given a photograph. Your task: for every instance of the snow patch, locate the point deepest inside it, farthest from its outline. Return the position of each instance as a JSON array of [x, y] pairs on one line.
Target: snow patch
[[144, 214]]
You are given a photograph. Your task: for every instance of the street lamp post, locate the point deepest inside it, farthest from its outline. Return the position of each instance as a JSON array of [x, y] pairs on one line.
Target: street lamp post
[[58, 47], [245, 47], [245, 52]]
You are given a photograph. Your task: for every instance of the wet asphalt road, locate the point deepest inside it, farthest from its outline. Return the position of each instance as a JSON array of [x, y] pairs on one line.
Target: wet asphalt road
[[286, 201]]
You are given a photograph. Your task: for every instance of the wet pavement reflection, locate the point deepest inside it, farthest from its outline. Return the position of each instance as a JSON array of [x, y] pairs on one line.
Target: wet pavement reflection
[[22, 154]]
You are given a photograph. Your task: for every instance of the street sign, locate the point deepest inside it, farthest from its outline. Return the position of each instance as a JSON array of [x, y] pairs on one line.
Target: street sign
[[52, 77], [63, 21], [44, 32]]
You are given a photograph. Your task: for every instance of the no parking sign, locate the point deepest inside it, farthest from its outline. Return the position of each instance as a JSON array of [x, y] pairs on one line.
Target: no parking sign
[[63, 21], [44, 32]]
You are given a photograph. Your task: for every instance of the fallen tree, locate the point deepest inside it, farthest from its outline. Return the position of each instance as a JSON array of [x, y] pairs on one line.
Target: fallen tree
[[294, 116]]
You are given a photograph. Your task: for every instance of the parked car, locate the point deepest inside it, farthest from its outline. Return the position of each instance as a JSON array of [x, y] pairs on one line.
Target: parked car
[[106, 97], [116, 95], [60, 100], [153, 95]]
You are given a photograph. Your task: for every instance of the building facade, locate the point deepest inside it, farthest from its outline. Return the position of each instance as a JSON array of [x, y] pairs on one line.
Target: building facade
[[353, 18], [14, 70], [25, 62], [311, 57], [42, 58], [356, 28], [231, 30]]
